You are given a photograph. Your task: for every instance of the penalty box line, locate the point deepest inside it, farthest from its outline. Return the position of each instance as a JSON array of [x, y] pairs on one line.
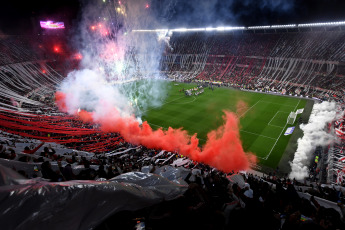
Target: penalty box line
[[268, 155], [269, 123], [258, 134]]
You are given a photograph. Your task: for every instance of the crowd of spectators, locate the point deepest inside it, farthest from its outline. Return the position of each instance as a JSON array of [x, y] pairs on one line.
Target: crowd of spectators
[[223, 200], [214, 199], [335, 156], [15, 49], [310, 59], [315, 45]]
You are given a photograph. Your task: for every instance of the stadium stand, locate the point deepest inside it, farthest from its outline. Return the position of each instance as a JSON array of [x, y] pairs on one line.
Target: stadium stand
[[206, 198], [272, 60]]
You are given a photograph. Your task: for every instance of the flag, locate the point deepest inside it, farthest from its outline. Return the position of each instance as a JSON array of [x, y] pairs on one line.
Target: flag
[[299, 111], [289, 130]]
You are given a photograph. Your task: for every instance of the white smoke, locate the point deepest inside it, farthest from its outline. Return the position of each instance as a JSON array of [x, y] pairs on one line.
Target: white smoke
[[120, 68], [315, 134], [88, 90]]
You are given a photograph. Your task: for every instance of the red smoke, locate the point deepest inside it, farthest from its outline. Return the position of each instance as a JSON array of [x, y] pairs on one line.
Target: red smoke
[[241, 108], [223, 148], [60, 99], [85, 116]]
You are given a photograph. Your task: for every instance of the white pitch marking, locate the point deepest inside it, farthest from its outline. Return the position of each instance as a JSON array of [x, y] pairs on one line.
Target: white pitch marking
[[280, 134], [273, 117], [277, 126], [249, 109], [258, 134], [269, 123]]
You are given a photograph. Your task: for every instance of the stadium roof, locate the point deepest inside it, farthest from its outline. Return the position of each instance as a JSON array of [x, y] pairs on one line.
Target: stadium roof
[[231, 28]]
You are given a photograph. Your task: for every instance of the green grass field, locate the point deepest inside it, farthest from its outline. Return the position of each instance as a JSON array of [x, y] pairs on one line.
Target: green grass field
[[262, 122]]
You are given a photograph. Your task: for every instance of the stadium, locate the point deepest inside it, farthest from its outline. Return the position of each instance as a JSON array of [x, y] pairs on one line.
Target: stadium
[[145, 115]]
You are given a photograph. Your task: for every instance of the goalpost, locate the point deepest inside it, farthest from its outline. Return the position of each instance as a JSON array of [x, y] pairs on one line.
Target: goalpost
[[291, 118]]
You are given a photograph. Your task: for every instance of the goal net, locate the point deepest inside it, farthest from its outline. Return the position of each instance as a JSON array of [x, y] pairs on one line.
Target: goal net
[[292, 117]]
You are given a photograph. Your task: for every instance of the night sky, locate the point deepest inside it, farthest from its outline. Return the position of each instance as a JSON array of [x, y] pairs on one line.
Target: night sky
[[20, 17], [260, 12]]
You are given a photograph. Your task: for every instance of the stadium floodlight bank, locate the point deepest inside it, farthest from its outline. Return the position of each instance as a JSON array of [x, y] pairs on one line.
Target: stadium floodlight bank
[[231, 28]]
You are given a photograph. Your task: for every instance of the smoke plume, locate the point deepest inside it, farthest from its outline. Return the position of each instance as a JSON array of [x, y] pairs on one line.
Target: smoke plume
[[314, 135], [120, 78], [223, 148]]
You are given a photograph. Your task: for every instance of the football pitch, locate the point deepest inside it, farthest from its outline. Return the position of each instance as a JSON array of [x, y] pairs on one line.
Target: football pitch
[[263, 119]]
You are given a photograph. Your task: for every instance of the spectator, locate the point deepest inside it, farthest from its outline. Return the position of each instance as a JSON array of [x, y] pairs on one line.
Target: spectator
[[248, 192], [49, 152], [67, 172], [101, 172], [48, 173], [87, 173]]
